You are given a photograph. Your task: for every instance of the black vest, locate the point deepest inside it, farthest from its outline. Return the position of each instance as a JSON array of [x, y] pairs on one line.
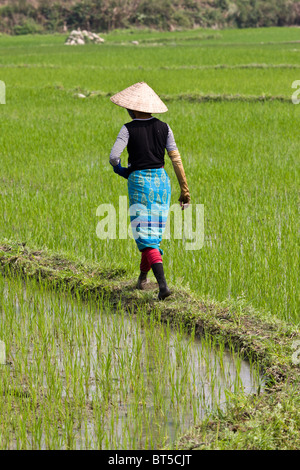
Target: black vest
[[146, 144]]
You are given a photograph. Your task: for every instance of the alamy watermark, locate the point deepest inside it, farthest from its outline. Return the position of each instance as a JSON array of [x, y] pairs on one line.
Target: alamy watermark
[[2, 92], [2, 353], [295, 99], [296, 354], [188, 225]]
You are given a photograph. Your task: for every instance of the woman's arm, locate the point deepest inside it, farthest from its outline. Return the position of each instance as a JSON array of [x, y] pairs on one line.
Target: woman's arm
[[175, 157], [116, 151], [119, 146]]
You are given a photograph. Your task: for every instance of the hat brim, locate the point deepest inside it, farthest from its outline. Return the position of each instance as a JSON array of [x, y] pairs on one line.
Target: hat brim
[[139, 97]]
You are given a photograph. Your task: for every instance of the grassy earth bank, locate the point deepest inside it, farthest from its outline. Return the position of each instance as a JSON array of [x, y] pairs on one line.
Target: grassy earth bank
[[268, 420]]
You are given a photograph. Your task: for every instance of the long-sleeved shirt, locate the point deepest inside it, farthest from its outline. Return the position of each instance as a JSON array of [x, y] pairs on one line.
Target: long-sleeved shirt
[[122, 141]]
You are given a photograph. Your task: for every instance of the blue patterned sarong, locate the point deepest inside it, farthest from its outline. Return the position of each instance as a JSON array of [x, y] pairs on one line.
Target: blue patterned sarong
[[149, 199]]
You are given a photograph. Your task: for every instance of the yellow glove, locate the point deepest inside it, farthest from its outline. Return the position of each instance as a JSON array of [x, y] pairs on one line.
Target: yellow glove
[[175, 157]]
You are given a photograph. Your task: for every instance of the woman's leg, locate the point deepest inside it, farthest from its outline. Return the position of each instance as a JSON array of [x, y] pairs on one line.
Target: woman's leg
[[145, 268], [155, 261]]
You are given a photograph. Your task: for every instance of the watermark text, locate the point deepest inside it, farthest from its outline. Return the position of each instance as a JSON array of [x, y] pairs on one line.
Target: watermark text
[[152, 223], [2, 92], [295, 99]]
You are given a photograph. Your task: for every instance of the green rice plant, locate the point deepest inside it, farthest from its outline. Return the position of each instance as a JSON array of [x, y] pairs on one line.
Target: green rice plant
[[239, 156], [84, 365]]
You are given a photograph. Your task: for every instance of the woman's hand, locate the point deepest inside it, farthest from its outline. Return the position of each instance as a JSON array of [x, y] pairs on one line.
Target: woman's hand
[[121, 170], [184, 200], [184, 206]]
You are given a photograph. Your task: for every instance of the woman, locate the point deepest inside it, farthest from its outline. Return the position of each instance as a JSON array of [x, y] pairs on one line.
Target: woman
[[146, 138]]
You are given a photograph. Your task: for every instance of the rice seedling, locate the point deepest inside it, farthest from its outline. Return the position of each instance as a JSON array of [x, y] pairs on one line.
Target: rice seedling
[[239, 156], [90, 376], [81, 376]]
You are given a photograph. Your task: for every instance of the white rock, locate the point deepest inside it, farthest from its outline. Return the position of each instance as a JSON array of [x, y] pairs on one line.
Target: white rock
[[78, 37]]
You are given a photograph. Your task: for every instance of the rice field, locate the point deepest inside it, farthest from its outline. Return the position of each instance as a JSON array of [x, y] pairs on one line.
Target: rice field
[[85, 375], [229, 99], [241, 158]]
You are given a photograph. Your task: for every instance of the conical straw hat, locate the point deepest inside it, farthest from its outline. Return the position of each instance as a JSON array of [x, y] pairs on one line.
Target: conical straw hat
[[139, 97]]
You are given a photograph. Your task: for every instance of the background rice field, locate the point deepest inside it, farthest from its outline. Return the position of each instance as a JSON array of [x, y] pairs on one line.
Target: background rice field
[[241, 156]]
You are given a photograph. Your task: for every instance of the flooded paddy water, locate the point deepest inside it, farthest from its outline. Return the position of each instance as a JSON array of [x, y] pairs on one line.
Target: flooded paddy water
[[84, 375]]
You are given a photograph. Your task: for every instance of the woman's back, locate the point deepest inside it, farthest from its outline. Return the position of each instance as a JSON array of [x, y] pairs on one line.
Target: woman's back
[[146, 143]]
